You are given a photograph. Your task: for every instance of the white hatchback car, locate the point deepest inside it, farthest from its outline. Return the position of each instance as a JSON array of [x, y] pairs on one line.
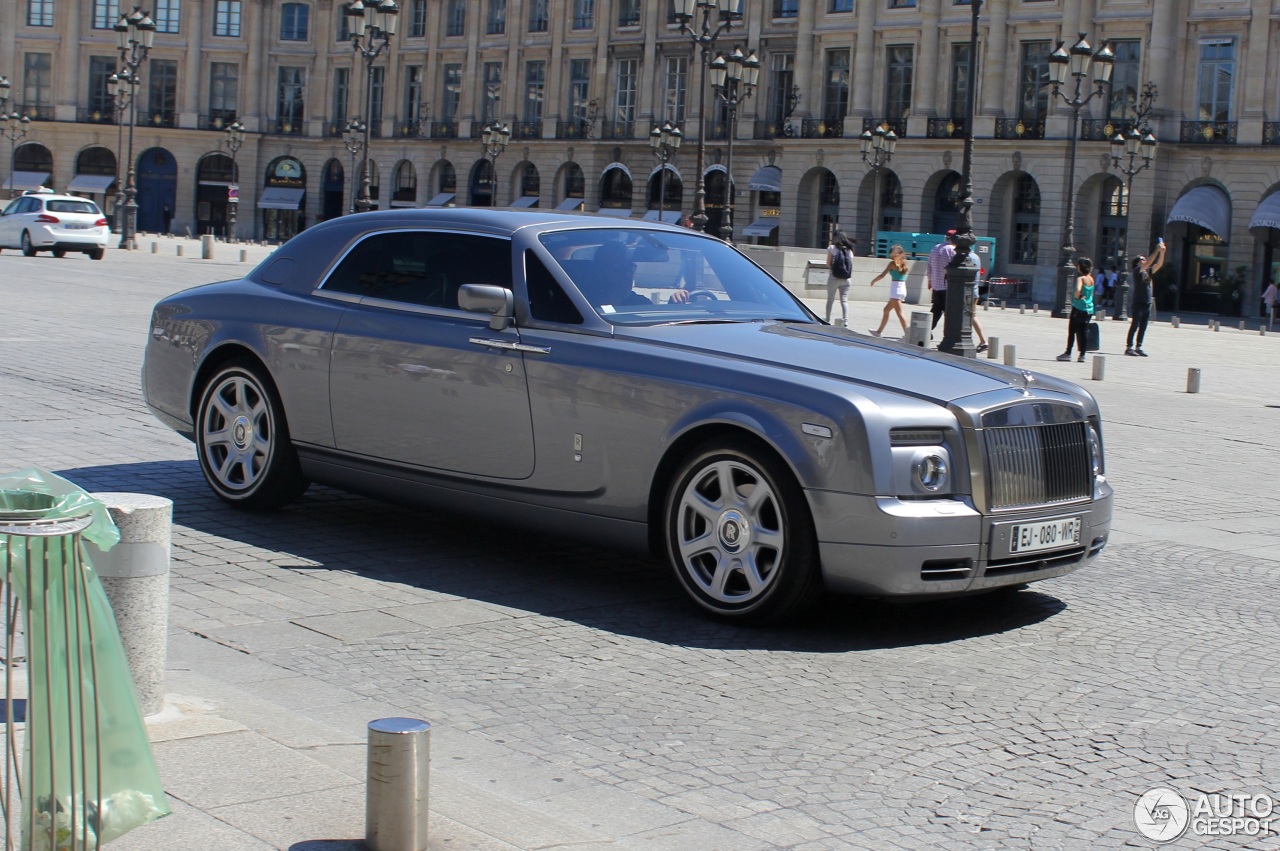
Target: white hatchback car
[[43, 221]]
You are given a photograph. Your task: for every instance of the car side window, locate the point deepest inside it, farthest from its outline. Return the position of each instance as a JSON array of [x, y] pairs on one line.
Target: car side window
[[13, 207], [423, 268], [547, 299]]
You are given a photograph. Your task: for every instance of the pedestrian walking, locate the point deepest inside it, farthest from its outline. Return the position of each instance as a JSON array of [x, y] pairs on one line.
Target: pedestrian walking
[[1081, 309], [1269, 297], [896, 269], [1143, 298], [839, 271], [936, 273]]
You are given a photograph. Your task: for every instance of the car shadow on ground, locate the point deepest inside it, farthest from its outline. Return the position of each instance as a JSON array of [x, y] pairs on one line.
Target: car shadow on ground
[[617, 592]]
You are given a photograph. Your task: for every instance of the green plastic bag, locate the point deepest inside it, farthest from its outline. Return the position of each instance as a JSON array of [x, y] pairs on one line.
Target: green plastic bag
[[88, 774]]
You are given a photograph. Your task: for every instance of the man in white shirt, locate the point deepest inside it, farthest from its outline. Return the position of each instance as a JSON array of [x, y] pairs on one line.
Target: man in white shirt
[[936, 272]]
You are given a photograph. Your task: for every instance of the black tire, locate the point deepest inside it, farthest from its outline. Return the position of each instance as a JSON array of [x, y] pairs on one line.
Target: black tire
[[59, 252], [242, 440], [28, 250], [97, 254], [739, 535]]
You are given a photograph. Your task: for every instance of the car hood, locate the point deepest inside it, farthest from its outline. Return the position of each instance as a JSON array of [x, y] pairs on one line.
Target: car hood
[[839, 353]]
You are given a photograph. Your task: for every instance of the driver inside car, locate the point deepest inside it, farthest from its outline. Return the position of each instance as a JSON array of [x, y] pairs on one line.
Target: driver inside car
[[611, 278]]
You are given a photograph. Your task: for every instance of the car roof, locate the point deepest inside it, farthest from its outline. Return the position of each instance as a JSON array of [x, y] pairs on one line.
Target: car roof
[[494, 219], [49, 196]]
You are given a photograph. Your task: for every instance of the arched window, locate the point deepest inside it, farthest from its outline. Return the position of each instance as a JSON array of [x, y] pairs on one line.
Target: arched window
[[946, 204], [890, 202], [1026, 220], [448, 177], [530, 182], [670, 193], [828, 208], [575, 182], [615, 189], [1112, 223], [406, 184]]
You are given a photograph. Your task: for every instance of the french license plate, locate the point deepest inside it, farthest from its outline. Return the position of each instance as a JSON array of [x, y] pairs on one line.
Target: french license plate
[[76, 226], [1047, 535]]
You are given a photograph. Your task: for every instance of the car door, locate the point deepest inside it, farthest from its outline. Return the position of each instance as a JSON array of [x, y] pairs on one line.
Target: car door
[[415, 380], [9, 230]]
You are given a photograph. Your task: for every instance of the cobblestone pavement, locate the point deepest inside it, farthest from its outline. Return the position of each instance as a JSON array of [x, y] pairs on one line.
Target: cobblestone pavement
[[577, 700]]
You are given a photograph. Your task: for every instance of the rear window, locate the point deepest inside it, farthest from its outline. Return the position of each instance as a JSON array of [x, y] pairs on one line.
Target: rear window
[[56, 206]]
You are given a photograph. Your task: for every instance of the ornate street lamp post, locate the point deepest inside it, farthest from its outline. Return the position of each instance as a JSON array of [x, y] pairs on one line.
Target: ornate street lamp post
[[369, 40], [728, 12], [665, 141], [235, 138], [135, 33], [734, 78], [1081, 62], [877, 150], [495, 138], [962, 274], [1130, 146], [354, 141], [12, 126], [120, 88]]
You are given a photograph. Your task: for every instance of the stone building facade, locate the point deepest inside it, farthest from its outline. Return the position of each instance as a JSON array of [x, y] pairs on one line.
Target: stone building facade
[[582, 82]]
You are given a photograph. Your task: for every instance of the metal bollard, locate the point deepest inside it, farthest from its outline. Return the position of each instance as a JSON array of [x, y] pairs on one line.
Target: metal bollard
[[135, 577], [1010, 355], [1099, 367], [206, 246], [244, 255], [1193, 380], [993, 348], [396, 795]]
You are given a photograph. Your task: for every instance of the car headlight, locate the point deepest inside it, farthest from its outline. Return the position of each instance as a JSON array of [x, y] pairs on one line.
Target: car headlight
[[930, 472], [1095, 449]]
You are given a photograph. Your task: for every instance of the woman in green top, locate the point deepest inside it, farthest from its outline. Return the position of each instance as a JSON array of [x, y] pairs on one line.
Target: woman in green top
[[1081, 309]]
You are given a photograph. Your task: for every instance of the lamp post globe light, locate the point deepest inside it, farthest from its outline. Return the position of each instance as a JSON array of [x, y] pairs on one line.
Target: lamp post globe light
[[135, 33], [734, 78], [665, 141], [369, 38], [12, 126], [877, 150], [120, 88], [354, 141], [728, 12], [1080, 62], [235, 138], [494, 139], [962, 273], [1132, 145]]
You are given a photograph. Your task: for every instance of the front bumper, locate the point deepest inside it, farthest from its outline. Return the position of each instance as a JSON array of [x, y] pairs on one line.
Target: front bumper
[[888, 547]]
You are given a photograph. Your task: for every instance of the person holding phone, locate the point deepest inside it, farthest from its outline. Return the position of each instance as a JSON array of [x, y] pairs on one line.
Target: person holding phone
[[1143, 298]]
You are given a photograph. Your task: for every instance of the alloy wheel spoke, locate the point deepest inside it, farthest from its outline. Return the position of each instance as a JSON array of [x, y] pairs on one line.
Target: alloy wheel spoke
[[700, 545]]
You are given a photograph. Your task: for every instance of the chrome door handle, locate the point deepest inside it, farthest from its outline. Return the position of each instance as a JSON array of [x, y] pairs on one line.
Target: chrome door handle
[[508, 346]]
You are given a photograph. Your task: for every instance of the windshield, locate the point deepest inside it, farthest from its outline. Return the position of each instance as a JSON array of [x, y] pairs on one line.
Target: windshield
[[648, 277]]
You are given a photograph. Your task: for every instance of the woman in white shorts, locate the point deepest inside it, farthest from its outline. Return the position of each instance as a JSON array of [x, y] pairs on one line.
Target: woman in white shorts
[[897, 272]]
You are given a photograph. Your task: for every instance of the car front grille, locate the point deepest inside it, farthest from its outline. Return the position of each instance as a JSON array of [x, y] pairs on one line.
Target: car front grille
[[1040, 464]]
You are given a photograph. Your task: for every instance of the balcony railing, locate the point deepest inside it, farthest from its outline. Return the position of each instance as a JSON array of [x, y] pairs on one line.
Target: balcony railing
[[617, 129], [36, 112], [334, 129], [411, 128], [216, 121], [1208, 133], [821, 128], [945, 128], [769, 129], [899, 127], [527, 130], [1105, 129], [96, 116], [157, 118], [718, 130], [444, 130], [574, 129], [287, 127], [1019, 128], [1271, 133]]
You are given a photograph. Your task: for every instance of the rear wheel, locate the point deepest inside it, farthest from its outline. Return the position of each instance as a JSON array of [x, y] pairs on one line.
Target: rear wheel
[[59, 252], [28, 250], [739, 535], [243, 442], [97, 254]]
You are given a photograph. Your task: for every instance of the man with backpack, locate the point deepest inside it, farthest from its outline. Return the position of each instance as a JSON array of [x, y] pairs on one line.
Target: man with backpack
[[839, 271]]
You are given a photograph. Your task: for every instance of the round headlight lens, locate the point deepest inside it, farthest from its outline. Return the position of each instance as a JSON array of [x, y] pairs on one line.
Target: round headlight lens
[[931, 472]]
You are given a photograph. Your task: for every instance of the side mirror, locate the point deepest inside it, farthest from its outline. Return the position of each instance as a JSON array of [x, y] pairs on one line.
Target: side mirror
[[488, 298]]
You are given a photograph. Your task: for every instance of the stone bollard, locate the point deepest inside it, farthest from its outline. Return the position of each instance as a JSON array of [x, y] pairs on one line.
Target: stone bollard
[[397, 788], [1241, 324], [1216, 326], [155, 248], [244, 255], [1035, 308], [1262, 332], [986, 305], [918, 328], [993, 348], [206, 246], [1099, 367], [1193, 380], [1174, 321], [179, 250], [1004, 304], [135, 576], [1022, 308], [1010, 355]]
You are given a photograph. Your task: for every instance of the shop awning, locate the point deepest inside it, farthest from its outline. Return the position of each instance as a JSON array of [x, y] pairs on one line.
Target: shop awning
[[671, 217], [403, 204], [568, 205], [525, 201], [760, 227], [94, 184], [21, 181], [1267, 216], [1206, 206], [617, 212], [280, 198], [444, 199], [766, 179]]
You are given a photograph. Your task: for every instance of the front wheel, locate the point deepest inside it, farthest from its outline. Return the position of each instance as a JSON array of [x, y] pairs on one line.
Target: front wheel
[[97, 254], [28, 250], [243, 442], [59, 253], [739, 535]]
